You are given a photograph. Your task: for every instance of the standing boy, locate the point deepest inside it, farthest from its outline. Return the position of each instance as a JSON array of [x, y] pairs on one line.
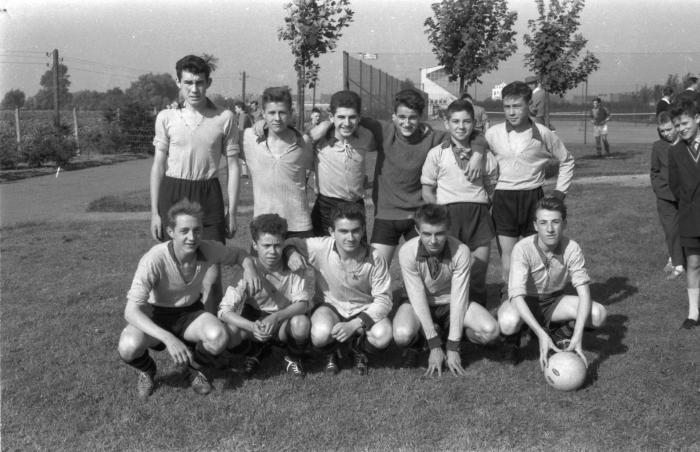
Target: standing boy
[[445, 182], [523, 149], [537, 101], [435, 269], [541, 265], [164, 309], [278, 161], [340, 160], [353, 284], [666, 203], [277, 313], [600, 117], [684, 180]]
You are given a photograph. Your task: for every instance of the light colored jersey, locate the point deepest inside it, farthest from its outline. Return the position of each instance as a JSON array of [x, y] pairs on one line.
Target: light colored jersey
[[340, 166]]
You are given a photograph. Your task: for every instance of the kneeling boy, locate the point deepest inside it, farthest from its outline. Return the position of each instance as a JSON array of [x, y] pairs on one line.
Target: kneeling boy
[[164, 308], [435, 269], [540, 267], [275, 314], [354, 284]]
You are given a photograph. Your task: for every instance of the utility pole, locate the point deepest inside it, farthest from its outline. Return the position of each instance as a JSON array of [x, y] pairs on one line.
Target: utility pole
[[57, 114], [243, 86]]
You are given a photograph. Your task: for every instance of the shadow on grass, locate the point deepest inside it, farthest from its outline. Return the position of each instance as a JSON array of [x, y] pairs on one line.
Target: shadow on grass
[[605, 342], [613, 290]]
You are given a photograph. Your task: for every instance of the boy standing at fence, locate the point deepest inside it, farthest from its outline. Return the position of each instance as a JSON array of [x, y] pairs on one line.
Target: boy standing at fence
[[666, 203], [600, 117], [189, 143], [684, 181]]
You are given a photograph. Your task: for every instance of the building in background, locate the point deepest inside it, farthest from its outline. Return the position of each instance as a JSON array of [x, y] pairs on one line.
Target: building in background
[[441, 92]]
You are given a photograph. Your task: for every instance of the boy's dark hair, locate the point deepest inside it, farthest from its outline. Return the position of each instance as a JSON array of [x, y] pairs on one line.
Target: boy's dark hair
[[277, 94], [664, 117], [409, 98], [691, 81], [268, 223], [551, 203], [517, 89], [459, 105], [193, 64], [316, 110], [240, 104], [184, 207], [432, 214], [667, 91], [685, 107], [348, 211], [597, 99], [346, 99]]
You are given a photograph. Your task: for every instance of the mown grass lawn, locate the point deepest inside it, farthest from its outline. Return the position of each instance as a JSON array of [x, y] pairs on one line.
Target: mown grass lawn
[[64, 387]]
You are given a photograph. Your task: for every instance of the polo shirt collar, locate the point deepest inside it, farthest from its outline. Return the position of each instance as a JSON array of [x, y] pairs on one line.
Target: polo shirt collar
[[332, 139], [557, 253], [422, 254], [536, 135], [263, 137]]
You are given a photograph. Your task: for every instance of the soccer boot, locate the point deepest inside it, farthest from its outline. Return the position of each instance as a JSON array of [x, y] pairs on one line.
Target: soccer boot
[[251, 364], [331, 367], [294, 366], [145, 384], [199, 382]]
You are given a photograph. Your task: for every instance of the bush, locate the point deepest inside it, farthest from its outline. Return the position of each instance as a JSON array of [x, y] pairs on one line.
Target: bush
[[9, 154], [48, 143], [104, 139]]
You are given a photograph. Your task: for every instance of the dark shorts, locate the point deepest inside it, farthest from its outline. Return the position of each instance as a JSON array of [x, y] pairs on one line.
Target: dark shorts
[[471, 223], [514, 211], [543, 307], [300, 234], [205, 192], [691, 245], [177, 320], [440, 315], [252, 314], [321, 213], [389, 232]]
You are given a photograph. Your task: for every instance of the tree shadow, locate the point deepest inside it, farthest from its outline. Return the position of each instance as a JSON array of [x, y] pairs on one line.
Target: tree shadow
[[613, 290]]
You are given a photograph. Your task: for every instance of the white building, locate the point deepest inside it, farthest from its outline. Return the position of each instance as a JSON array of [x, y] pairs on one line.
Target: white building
[[441, 92]]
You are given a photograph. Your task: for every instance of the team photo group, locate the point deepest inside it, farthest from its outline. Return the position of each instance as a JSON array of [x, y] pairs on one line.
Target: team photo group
[[317, 283]]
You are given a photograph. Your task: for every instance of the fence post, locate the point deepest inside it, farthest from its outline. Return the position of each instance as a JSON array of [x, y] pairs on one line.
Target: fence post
[[75, 128], [346, 70], [371, 93], [19, 135]]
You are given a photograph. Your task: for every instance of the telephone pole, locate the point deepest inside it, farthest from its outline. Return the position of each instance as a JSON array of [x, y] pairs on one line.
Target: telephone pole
[[243, 77], [57, 114]]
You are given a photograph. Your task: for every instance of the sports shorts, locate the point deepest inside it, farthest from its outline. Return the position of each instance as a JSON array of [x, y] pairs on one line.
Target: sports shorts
[[514, 211], [321, 213], [177, 320], [440, 314], [207, 193], [600, 130], [471, 223], [691, 245], [253, 314], [389, 232], [542, 307]]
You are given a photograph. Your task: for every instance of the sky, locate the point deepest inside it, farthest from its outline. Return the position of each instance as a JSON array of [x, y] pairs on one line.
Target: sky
[[109, 43]]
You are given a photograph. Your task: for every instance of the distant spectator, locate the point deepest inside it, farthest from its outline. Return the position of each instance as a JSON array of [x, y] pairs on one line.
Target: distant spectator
[[691, 92], [314, 120], [600, 116], [242, 116], [666, 99], [256, 114], [537, 102], [480, 117]]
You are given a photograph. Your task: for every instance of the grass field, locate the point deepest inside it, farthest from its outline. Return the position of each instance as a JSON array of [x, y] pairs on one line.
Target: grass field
[[64, 387]]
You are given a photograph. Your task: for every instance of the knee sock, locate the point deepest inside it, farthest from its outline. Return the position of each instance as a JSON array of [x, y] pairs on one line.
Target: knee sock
[[607, 146], [295, 347], [417, 342], [144, 363], [363, 345], [241, 349], [693, 302], [328, 349], [201, 357]]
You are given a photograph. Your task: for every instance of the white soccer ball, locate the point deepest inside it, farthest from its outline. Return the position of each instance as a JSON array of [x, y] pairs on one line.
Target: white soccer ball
[[565, 371]]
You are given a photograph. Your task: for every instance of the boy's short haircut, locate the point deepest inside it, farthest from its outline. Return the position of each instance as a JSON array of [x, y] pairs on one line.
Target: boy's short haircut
[[268, 223], [691, 81], [516, 90], [664, 117], [432, 214], [685, 107], [459, 105], [316, 110], [345, 99], [409, 98], [184, 207], [277, 94], [192, 64], [240, 104], [667, 91], [551, 203], [597, 99], [348, 211]]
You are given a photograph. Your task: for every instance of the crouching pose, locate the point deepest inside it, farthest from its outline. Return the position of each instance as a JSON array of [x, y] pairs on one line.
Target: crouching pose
[[277, 313], [541, 264], [435, 269], [164, 308], [354, 287]]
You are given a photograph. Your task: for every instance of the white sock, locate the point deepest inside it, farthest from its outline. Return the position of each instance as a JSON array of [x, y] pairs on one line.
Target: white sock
[[693, 302]]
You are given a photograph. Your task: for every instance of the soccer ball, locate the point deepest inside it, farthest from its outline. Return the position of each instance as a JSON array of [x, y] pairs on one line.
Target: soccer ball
[[565, 371]]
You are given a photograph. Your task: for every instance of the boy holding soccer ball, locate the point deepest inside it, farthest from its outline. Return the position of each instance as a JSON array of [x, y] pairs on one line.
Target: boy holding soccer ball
[[541, 266]]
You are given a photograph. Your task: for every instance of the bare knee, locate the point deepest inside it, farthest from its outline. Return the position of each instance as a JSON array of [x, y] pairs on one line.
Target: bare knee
[[300, 326], [215, 339], [131, 346], [598, 315], [380, 334], [508, 321], [486, 333], [321, 334], [404, 334]]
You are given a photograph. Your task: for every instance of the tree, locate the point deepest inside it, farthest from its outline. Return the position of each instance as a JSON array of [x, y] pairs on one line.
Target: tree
[[153, 90], [555, 48], [470, 37], [312, 28], [43, 99], [14, 98]]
